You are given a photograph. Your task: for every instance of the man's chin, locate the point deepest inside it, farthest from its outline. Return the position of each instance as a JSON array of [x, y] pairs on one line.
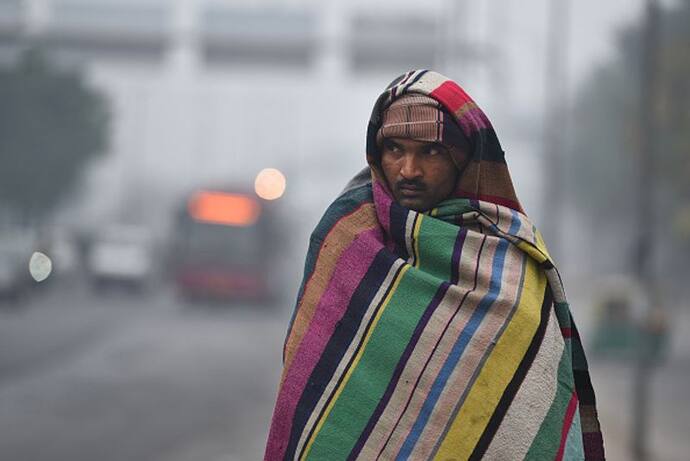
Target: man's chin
[[413, 204]]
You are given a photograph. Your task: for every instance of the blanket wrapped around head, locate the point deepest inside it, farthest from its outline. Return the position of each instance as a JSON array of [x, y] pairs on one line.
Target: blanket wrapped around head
[[440, 335]]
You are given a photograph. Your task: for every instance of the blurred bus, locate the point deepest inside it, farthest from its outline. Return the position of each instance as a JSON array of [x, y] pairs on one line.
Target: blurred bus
[[224, 247]]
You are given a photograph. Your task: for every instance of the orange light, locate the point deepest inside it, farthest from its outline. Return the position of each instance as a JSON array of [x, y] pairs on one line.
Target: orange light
[[269, 184], [224, 208]]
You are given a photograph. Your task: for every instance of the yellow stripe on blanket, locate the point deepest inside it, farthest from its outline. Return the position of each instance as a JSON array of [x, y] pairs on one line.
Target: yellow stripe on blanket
[[541, 245], [474, 415], [533, 251], [415, 234]]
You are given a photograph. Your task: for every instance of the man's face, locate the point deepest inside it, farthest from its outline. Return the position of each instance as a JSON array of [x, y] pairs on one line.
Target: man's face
[[419, 174]]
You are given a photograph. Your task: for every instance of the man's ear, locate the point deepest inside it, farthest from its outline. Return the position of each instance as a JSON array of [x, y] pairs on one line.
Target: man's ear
[[461, 158]]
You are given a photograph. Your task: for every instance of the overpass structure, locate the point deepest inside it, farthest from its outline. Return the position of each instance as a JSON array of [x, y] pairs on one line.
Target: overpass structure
[[299, 35]]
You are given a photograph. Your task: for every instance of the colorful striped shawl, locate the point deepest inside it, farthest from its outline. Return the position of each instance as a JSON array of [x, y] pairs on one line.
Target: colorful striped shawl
[[443, 335]]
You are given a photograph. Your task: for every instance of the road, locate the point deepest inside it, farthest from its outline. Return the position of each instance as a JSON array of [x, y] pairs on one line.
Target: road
[[127, 377], [122, 377]]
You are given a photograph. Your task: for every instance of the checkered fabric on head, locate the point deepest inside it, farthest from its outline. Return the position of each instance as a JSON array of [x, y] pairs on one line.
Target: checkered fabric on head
[[419, 117]]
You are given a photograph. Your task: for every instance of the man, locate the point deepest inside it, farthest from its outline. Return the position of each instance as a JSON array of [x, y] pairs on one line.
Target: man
[[431, 323]]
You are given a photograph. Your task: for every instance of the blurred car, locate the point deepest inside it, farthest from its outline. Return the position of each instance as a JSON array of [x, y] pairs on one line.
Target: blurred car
[[15, 279], [13, 276], [121, 256]]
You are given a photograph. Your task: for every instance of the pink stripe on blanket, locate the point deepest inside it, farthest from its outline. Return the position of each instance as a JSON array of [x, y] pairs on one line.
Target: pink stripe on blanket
[[382, 202], [473, 120], [351, 269]]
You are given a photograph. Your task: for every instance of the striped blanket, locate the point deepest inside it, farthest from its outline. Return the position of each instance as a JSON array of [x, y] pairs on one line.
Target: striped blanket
[[440, 335]]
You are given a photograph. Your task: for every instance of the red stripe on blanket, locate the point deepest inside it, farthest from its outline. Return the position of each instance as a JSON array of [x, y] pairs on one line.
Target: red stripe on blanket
[[490, 198], [567, 332], [567, 422], [450, 95]]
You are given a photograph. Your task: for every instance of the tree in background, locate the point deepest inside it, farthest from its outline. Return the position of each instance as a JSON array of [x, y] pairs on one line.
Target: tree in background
[[603, 159], [51, 125]]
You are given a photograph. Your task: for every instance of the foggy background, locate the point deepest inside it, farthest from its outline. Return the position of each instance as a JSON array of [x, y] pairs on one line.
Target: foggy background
[[139, 322]]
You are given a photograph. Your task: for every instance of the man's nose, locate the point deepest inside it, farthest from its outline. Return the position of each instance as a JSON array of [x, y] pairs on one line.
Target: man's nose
[[410, 167]]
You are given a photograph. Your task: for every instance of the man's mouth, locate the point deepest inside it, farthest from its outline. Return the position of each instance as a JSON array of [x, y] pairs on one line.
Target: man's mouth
[[410, 189]]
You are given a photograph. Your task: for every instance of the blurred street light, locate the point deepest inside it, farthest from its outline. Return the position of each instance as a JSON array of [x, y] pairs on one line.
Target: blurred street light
[[270, 184], [40, 266]]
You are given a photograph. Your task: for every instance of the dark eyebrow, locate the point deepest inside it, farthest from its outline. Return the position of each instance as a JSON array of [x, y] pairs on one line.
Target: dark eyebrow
[[437, 145], [390, 142]]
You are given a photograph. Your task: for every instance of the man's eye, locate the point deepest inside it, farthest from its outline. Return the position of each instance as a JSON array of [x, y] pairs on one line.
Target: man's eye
[[391, 147], [434, 150]]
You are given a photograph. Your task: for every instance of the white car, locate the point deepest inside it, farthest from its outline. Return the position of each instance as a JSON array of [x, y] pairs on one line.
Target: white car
[[121, 255]]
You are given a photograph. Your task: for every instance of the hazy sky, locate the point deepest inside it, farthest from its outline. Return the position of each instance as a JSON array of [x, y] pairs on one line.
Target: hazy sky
[[204, 125]]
